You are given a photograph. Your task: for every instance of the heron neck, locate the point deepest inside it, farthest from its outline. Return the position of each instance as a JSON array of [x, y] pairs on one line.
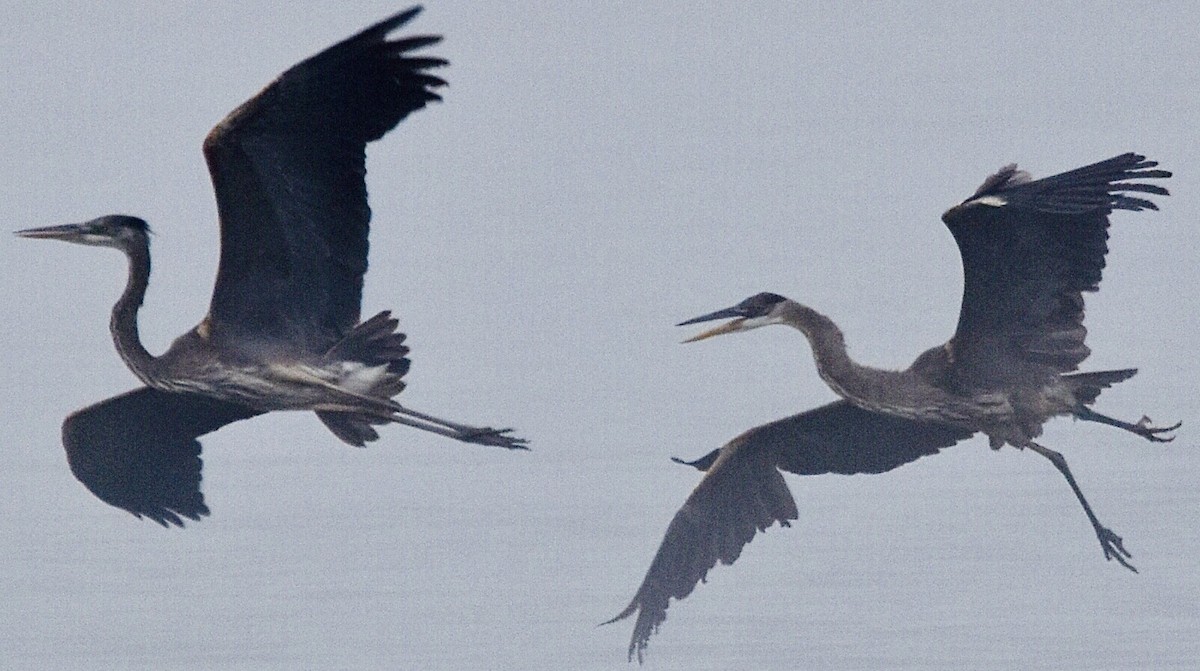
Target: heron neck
[[828, 344], [123, 324]]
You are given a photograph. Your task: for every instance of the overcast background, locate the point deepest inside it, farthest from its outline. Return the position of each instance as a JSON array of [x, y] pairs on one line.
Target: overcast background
[[597, 173]]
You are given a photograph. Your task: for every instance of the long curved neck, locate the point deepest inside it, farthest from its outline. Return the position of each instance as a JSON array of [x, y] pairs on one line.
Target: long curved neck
[[829, 350], [123, 324]]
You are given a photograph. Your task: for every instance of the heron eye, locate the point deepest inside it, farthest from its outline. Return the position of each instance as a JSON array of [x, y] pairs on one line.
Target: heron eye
[[760, 304], [749, 306]]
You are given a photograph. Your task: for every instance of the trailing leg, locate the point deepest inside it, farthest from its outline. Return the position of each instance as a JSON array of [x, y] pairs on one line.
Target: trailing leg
[[1142, 427], [467, 434], [357, 427], [1110, 542]]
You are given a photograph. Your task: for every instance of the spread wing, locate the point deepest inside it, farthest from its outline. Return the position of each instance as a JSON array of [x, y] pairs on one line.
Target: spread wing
[[743, 493], [138, 451], [1029, 250], [288, 169]]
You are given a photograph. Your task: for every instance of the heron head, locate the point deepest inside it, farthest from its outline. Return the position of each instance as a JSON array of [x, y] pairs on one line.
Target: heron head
[[114, 230], [758, 310]]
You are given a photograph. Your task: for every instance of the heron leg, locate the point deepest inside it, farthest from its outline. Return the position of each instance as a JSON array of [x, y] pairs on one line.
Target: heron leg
[[470, 434], [389, 410], [1111, 543], [467, 434], [485, 436], [1142, 427], [461, 428]]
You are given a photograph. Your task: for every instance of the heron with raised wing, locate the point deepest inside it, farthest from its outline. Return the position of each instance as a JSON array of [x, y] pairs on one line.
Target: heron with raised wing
[[1029, 251], [282, 331]]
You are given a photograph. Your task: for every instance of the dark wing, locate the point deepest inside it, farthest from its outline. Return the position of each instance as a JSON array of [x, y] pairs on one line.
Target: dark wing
[[1029, 250], [288, 168], [844, 438], [743, 492], [138, 451]]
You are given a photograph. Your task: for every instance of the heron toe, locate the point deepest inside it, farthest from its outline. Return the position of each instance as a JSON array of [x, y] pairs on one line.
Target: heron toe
[[1152, 433], [489, 436]]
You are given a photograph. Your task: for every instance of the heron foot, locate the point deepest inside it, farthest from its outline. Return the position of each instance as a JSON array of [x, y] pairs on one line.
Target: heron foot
[[1114, 547], [1144, 429], [1111, 543], [490, 436]]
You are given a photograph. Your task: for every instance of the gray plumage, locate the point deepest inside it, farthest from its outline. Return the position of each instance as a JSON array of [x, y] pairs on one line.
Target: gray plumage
[[1029, 251], [282, 331]]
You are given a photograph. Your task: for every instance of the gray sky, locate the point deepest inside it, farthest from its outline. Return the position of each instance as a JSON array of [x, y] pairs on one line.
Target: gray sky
[[598, 172]]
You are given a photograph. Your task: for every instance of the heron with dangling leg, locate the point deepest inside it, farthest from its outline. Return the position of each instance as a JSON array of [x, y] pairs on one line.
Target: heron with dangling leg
[[1030, 249], [282, 331]]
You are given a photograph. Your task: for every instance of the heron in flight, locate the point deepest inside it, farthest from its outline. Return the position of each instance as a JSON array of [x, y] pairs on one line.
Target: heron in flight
[[282, 331], [1029, 251]]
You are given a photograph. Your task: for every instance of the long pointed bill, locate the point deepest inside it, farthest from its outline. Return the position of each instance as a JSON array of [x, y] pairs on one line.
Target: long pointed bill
[[758, 310], [727, 313], [67, 232], [719, 314], [728, 327]]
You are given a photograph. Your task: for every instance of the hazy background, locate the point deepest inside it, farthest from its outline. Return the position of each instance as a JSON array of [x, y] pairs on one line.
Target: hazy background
[[598, 172]]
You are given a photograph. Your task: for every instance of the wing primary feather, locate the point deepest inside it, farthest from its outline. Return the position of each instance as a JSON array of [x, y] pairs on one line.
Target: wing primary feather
[[288, 167], [701, 464], [138, 451], [744, 493], [1095, 186], [412, 44], [1026, 264]]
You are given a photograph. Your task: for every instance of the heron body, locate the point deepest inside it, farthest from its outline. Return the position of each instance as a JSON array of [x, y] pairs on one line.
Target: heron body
[[283, 329], [926, 392], [264, 376], [1030, 249]]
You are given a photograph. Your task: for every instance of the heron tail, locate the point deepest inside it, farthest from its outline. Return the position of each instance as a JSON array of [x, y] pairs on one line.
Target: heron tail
[[1087, 386], [373, 343], [352, 428]]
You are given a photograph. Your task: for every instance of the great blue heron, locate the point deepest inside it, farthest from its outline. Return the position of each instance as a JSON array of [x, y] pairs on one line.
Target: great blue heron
[[282, 331], [1029, 249]]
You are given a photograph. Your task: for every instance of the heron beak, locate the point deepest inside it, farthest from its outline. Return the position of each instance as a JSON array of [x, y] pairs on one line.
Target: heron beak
[[69, 232], [730, 327]]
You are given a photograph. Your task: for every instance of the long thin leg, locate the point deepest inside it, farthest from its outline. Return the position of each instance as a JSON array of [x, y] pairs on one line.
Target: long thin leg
[[1109, 541], [388, 409], [461, 428], [1141, 428], [464, 433]]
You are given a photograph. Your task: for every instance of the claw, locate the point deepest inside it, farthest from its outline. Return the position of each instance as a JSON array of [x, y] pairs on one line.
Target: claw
[[1114, 547], [490, 436], [1144, 429]]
